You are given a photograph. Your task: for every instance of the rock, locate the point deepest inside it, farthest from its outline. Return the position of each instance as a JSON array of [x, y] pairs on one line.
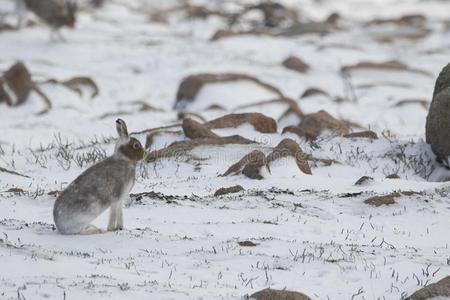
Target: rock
[[15, 190], [191, 85], [229, 190], [259, 121], [313, 92], [143, 106], [158, 17], [422, 102], [296, 64], [278, 21], [411, 27], [247, 244], [97, 3], [269, 294], [181, 148], [223, 33], [411, 193], [391, 65], [198, 12], [368, 134], [319, 28], [193, 130], [443, 80], [406, 20], [275, 14], [252, 169], [6, 27], [16, 85], [438, 289], [54, 193], [333, 19], [412, 20], [190, 11], [438, 119], [393, 176], [191, 115], [289, 147], [215, 107], [364, 180], [316, 123], [249, 165], [382, 200], [296, 29], [77, 83]]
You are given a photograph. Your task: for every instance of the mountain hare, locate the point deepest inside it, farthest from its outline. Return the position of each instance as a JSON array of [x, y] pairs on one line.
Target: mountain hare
[[103, 185]]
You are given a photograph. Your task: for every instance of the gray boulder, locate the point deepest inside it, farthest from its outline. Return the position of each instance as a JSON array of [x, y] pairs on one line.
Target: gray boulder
[[269, 294], [438, 289], [438, 119]]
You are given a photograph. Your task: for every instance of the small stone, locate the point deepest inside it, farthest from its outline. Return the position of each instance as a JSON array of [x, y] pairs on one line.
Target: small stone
[[193, 129], [309, 92], [260, 122], [270, 294], [393, 176], [364, 180], [247, 244], [438, 119], [438, 289], [288, 147], [250, 165], [229, 190], [382, 200], [296, 64], [362, 134]]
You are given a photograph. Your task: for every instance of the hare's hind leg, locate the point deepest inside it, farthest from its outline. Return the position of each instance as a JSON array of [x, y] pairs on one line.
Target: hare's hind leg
[[91, 229]]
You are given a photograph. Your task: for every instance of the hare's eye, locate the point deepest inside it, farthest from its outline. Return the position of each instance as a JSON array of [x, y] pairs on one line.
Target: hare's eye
[[136, 146]]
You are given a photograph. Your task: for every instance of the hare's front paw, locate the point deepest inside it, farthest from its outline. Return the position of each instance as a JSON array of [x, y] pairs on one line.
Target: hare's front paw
[[111, 227], [115, 228]]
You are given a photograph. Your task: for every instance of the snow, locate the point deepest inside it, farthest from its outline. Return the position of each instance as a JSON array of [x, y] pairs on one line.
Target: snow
[[314, 233]]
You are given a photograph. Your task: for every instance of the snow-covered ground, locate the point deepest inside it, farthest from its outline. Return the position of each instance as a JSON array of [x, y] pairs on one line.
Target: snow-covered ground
[[313, 234]]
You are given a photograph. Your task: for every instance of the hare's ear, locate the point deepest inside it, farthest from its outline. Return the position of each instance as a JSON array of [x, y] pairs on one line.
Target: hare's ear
[[121, 128]]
